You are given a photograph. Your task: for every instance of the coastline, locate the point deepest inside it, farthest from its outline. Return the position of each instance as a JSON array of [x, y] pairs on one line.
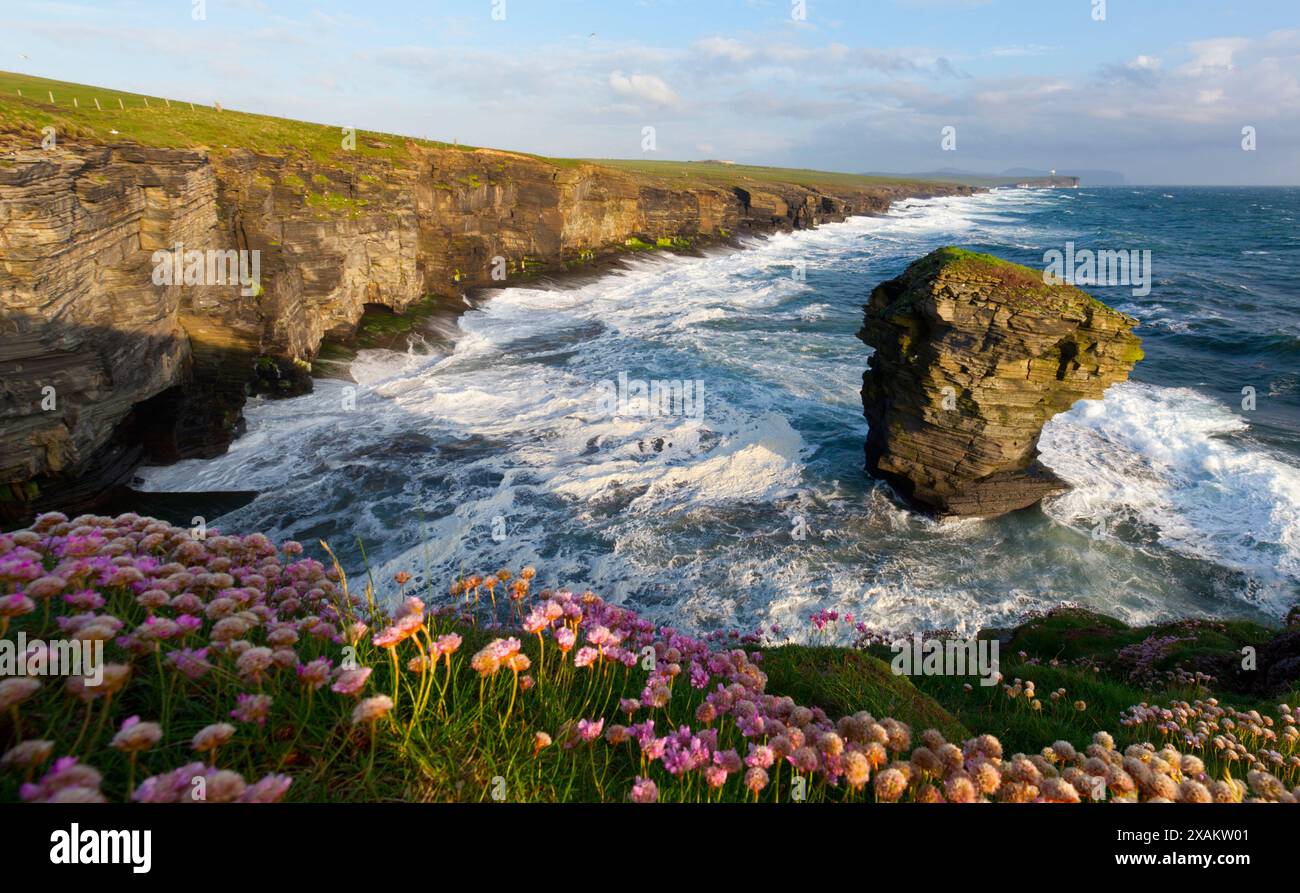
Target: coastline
[[441, 314], [450, 308], [174, 388], [652, 301]]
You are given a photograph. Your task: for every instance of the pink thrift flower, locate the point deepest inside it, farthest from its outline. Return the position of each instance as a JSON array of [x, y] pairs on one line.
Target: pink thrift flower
[[399, 632], [372, 710], [82, 600], [315, 673], [252, 708], [756, 779], [270, 789], [253, 663], [760, 756], [67, 781], [45, 587], [448, 644], [485, 662], [27, 755], [136, 736], [644, 791], [351, 682], [16, 605], [535, 622], [192, 663], [211, 737], [411, 607], [16, 690]]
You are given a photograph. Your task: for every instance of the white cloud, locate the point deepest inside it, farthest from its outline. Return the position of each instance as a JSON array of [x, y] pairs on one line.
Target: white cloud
[[643, 86], [1214, 56], [1026, 49], [773, 96], [725, 48]]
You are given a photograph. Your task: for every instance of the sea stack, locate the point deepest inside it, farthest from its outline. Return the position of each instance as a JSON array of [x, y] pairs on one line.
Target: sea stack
[[972, 356]]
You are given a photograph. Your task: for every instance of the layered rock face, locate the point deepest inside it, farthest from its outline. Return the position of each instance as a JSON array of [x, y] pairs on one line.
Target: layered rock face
[[141, 369], [972, 356], [84, 335]]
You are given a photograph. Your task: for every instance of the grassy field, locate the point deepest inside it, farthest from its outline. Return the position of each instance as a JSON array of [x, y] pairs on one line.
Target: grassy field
[[741, 174], [26, 108]]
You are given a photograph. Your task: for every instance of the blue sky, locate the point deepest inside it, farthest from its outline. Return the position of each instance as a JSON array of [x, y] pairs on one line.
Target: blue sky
[[1158, 89]]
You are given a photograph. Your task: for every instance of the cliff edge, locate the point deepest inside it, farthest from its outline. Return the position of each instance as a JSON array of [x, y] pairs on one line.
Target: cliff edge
[[105, 363]]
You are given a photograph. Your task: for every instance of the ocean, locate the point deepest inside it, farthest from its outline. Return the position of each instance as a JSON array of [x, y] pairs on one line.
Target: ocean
[[491, 442]]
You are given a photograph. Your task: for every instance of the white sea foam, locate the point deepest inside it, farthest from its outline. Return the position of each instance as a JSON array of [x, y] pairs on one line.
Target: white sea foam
[[1175, 461], [691, 519]]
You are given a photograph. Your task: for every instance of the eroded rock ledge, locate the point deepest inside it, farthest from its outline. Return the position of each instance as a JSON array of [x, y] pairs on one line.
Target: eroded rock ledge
[[972, 356], [140, 370]]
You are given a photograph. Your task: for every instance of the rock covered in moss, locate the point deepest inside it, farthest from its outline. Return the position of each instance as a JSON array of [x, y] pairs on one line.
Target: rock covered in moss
[[973, 355]]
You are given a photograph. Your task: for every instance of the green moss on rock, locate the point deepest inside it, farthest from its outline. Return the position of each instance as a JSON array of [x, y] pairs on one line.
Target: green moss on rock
[[844, 680]]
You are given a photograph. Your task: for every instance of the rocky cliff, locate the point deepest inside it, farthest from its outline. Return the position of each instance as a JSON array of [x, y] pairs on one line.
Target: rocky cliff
[[101, 366], [972, 356]]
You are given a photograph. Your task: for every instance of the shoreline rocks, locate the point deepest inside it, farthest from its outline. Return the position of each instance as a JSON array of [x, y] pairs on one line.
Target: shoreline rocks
[[142, 371], [973, 355]]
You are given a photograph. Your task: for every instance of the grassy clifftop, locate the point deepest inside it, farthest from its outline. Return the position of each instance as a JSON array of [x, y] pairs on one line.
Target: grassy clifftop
[[1086, 672], [26, 108]]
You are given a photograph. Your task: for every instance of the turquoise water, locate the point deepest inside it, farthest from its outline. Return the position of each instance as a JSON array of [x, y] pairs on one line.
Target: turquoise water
[[491, 445]]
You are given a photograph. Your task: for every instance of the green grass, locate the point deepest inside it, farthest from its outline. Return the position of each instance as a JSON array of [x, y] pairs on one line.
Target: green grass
[[843, 681], [178, 125], [1027, 283], [745, 174], [1084, 647], [379, 328], [151, 121], [331, 203]]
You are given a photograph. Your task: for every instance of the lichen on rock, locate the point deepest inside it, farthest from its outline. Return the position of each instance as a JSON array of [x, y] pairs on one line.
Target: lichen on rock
[[973, 355]]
